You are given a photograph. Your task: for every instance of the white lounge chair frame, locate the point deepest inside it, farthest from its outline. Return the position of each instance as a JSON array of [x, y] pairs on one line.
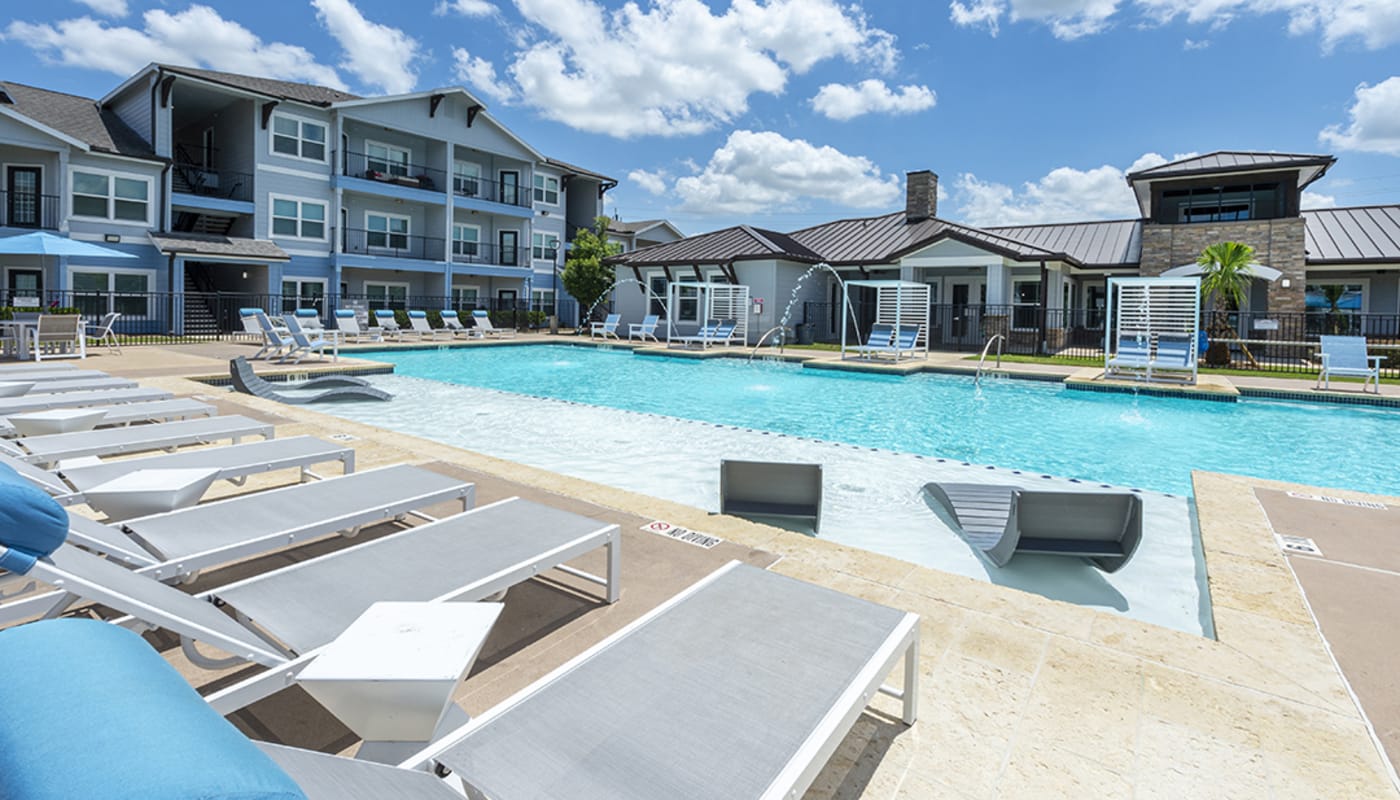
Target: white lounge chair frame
[[605, 329], [51, 448], [646, 329], [717, 301], [1348, 357], [1142, 310], [897, 303]]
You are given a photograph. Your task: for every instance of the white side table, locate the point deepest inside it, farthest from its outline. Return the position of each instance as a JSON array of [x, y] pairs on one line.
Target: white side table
[[390, 676], [57, 420], [15, 388], [150, 491]]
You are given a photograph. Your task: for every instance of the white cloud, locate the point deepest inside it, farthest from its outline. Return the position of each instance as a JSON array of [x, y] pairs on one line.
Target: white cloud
[[1194, 44], [480, 74], [843, 102], [765, 171], [1065, 194], [1375, 121], [196, 36], [1311, 199], [107, 8], [467, 8], [377, 54], [650, 182], [1068, 19], [677, 67], [979, 13]]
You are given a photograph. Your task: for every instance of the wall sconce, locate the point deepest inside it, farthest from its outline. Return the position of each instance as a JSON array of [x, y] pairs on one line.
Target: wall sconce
[[1286, 283], [111, 238], [245, 274]]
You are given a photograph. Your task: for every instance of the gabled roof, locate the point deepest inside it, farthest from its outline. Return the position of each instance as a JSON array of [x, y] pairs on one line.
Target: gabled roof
[[1109, 243], [307, 93], [587, 173], [1351, 235], [641, 226], [875, 240], [739, 243], [79, 119], [1225, 161]]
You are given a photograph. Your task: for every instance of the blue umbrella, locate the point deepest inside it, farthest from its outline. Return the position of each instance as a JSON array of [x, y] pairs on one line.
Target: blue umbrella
[[41, 243]]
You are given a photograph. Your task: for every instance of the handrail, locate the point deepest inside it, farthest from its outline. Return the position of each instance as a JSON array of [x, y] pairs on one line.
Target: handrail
[[998, 339], [761, 339]]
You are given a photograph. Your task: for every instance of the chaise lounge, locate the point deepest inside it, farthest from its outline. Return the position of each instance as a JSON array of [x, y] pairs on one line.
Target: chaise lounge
[[337, 387], [1347, 356]]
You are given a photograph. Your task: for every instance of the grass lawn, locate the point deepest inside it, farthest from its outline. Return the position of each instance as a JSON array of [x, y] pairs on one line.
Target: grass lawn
[[1261, 373]]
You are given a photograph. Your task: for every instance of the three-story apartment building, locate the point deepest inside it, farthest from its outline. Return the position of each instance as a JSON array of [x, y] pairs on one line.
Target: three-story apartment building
[[239, 185]]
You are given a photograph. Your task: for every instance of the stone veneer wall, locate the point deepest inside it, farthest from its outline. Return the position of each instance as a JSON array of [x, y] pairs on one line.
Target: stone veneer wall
[[1278, 243]]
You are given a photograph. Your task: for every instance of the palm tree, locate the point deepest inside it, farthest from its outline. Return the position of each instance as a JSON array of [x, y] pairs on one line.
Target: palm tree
[[1225, 275]]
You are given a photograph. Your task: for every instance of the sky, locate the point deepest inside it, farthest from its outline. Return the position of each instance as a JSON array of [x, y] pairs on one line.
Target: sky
[[787, 113]]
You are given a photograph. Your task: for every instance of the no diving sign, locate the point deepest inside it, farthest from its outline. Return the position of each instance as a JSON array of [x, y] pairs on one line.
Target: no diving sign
[[682, 534]]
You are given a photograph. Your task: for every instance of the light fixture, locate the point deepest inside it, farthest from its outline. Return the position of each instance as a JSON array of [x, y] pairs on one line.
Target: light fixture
[[111, 238], [245, 274], [1286, 283]]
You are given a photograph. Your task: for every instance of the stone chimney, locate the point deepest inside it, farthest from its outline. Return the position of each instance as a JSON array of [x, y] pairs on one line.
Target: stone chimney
[[921, 196]]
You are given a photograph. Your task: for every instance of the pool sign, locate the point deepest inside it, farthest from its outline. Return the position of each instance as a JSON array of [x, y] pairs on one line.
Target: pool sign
[[663, 528], [1265, 324]]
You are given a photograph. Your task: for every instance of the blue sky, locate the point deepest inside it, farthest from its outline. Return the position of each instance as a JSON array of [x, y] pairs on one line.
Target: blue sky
[[787, 113]]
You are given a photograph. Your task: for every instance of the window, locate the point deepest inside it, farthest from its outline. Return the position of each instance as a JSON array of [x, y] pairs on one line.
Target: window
[[543, 246], [546, 190], [102, 195], [298, 219], [1026, 297], [464, 298], [387, 295], [1334, 308], [688, 304], [298, 138], [1095, 300], [303, 293], [542, 300], [1221, 203], [466, 241], [466, 178], [98, 291], [386, 231], [658, 295], [386, 158]]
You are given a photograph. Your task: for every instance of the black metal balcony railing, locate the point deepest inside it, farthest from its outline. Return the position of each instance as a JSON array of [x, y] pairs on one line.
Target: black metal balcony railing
[[510, 193], [396, 245], [474, 253], [29, 210], [376, 168], [188, 178]]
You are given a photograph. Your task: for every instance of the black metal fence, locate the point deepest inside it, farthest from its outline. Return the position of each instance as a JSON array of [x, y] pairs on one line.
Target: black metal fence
[[1277, 342]]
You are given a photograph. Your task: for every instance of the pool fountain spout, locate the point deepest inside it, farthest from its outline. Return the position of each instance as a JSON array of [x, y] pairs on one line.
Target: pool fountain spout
[[781, 339], [801, 279], [588, 315]]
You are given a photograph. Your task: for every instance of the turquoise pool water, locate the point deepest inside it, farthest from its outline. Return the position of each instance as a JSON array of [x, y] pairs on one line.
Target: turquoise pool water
[[1146, 442]]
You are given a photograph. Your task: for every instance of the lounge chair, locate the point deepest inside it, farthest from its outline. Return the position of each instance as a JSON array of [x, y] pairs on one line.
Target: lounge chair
[[419, 322], [452, 323], [57, 335], [304, 344], [1347, 356], [1134, 352], [605, 329], [337, 387], [1003, 521], [388, 324], [713, 332], [27, 367], [349, 326], [1172, 358], [646, 329], [101, 332], [310, 319], [138, 439], [234, 463], [482, 320], [905, 342], [40, 402], [153, 411], [771, 489], [276, 340], [42, 386], [879, 340], [42, 374]]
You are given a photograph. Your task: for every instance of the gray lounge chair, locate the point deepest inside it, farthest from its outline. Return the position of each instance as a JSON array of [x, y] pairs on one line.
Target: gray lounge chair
[[1003, 521], [153, 411], [233, 462], [139, 439], [60, 385], [45, 373], [26, 366], [771, 489], [41, 402], [338, 387]]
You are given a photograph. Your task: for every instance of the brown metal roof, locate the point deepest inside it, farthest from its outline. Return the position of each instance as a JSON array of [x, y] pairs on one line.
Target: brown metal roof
[[875, 240], [1110, 243], [588, 173], [739, 243], [307, 93], [1349, 235], [203, 244], [1231, 161], [78, 117]]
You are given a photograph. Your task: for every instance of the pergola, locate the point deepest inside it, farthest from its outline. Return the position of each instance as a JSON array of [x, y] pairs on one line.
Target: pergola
[[1142, 313], [714, 301], [896, 303]]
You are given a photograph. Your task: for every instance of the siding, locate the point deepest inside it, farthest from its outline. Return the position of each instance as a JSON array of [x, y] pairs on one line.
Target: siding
[[134, 108]]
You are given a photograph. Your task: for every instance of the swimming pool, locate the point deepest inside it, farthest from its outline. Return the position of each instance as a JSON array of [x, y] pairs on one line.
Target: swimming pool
[[1146, 442]]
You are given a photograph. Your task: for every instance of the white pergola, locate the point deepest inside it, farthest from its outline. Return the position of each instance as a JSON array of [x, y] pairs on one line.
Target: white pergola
[[896, 303], [1142, 310], [714, 301]]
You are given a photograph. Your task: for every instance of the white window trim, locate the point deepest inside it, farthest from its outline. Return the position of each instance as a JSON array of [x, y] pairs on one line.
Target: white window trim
[[453, 242], [271, 133], [558, 189], [476, 287], [150, 274], [1365, 284], [547, 237], [325, 220], [520, 185], [408, 151], [407, 234], [364, 288], [112, 175], [1015, 305], [15, 268], [299, 281], [500, 250]]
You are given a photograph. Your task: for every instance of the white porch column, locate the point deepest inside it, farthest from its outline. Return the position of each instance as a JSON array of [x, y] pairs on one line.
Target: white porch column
[[998, 285]]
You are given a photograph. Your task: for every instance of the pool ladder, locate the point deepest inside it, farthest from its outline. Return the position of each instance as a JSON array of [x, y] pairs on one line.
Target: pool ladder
[[999, 339]]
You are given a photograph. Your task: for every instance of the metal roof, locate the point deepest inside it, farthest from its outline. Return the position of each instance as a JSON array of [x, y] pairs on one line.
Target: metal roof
[[1232, 161], [739, 243], [1350, 235], [587, 173], [227, 247], [875, 240], [307, 93], [79, 118], [1111, 243]]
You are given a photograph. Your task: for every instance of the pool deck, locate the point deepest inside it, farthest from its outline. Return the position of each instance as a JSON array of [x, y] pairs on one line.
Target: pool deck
[[1020, 696]]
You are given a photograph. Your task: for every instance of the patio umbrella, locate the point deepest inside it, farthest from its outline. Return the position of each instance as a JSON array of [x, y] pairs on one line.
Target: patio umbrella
[[1188, 270], [42, 243]]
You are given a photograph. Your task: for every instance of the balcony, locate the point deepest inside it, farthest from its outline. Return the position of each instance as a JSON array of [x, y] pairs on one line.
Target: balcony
[[192, 179], [489, 254], [393, 178], [506, 193], [358, 241], [29, 210]]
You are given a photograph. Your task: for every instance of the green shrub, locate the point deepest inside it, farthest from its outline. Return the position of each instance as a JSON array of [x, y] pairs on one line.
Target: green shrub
[[8, 312]]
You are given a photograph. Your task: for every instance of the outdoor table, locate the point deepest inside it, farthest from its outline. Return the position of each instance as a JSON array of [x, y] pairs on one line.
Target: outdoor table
[[24, 333], [57, 420], [150, 491]]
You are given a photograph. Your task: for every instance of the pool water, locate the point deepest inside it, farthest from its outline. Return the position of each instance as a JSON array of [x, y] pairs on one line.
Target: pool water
[[1128, 440]]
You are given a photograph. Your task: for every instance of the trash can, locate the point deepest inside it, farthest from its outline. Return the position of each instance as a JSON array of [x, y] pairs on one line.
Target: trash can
[[553, 324], [805, 334]]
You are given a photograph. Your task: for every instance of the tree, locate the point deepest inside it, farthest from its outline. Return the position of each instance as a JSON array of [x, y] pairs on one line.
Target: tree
[[1333, 294], [1225, 276], [585, 275]]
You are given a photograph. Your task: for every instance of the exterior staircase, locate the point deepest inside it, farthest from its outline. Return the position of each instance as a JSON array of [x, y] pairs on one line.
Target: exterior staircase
[[199, 317], [213, 224]]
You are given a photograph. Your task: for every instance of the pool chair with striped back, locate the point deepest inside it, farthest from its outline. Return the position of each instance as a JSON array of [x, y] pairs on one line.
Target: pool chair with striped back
[[607, 329], [879, 341], [452, 323], [482, 320], [388, 324], [418, 321], [1133, 354], [1173, 358], [644, 330], [349, 326], [304, 343]]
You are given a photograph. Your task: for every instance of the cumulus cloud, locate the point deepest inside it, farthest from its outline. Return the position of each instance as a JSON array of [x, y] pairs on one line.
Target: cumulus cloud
[[1311, 199], [377, 54], [1194, 44], [677, 67], [1376, 23], [107, 8], [480, 74], [765, 171], [843, 102], [1063, 194], [651, 182], [1374, 125], [467, 8], [196, 36]]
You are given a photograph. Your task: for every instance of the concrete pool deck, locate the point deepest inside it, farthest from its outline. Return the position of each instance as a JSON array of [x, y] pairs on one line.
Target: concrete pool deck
[[1021, 696]]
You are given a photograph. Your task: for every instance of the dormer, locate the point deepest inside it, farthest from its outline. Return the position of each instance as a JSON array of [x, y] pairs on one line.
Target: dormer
[[1226, 186]]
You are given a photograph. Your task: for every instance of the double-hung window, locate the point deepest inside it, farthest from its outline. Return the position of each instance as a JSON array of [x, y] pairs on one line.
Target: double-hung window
[[298, 219], [120, 198], [464, 298], [546, 189], [97, 291], [657, 295], [386, 159], [386, 295], [542, 301], [303, 293], [466, 242], [543, 246], [466, 178], [386, 231], [298, 138]]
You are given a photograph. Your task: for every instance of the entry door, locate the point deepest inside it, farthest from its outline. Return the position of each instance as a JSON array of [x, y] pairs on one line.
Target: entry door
[[966, 298], [24, 283], [22, 186], [510, 187], [510, 248]]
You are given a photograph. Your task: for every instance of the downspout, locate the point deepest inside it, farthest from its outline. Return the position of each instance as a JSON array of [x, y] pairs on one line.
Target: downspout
[[1044, 305]]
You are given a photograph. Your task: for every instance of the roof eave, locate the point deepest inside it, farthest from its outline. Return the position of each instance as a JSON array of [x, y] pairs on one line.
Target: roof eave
[[25, 119]]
